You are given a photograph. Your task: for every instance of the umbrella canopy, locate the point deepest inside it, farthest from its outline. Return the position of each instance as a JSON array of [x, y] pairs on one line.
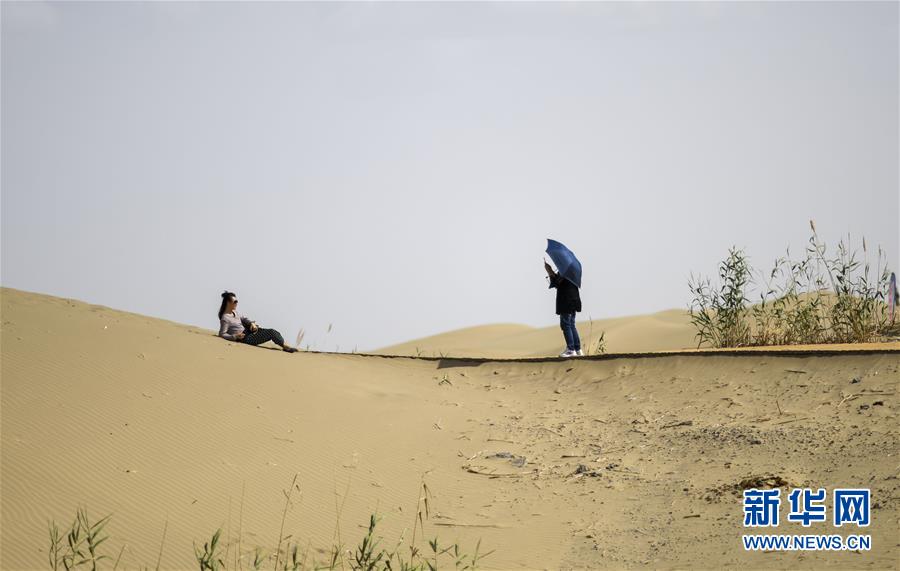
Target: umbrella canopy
[[566, 263]]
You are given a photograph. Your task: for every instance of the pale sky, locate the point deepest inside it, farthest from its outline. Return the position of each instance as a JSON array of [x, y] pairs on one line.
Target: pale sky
[[395, 169]]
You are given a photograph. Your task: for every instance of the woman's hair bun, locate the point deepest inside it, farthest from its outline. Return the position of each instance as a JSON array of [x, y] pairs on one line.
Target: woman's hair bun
[[226, 294]]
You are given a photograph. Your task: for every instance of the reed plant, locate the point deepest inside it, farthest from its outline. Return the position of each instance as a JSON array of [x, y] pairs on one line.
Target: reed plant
[[82, 543], [818, 298], [719, 312], [78, 548]]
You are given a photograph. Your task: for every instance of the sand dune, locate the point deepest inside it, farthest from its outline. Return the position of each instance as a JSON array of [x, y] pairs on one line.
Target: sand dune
[[610, 463], [666, 330]]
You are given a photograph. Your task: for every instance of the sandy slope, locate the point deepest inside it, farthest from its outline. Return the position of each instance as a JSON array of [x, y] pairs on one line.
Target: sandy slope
[[154, 421], [666, 330]]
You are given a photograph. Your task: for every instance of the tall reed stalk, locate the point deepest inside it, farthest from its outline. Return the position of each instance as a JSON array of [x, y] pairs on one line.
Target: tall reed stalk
[[819, 298]]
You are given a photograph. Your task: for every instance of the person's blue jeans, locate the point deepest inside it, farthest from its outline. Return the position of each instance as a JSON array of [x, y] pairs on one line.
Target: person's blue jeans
[[567, 324]]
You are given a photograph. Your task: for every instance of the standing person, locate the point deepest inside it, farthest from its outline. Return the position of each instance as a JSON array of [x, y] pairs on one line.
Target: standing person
[[232, 326], [568, 302]]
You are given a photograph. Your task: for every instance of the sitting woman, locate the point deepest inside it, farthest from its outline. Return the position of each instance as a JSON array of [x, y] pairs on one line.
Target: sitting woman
[[232, 326]]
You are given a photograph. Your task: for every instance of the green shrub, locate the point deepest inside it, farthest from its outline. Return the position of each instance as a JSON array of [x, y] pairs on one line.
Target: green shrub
[[816, 299], [720, 312]]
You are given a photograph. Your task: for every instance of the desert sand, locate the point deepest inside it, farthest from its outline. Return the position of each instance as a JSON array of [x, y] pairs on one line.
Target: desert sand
[[623, 461], [666, 330]]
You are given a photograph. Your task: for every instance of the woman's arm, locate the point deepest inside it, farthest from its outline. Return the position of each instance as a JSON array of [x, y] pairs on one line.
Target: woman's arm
[[249, 324], [223, 328], [549, 270], [554, 277]]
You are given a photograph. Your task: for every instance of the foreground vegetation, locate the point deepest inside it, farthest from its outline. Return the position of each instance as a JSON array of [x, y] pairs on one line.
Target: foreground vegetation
[[818, 298], [78, 547]]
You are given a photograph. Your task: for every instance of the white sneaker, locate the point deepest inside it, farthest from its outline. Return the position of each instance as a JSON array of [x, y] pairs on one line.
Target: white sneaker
[[568, 353], [579, 353]]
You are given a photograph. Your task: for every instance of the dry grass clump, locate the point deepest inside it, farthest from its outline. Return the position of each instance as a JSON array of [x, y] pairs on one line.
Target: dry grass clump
[[598, 347], [814, 299]]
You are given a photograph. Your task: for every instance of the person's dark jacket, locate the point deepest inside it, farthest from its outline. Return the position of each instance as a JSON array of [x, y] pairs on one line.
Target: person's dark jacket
[[568, 300]]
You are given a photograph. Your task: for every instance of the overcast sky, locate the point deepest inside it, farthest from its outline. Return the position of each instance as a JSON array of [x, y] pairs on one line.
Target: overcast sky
[[395, 169]]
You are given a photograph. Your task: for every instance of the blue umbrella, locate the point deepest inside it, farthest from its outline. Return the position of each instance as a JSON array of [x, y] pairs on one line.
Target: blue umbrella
[[568, 265]]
